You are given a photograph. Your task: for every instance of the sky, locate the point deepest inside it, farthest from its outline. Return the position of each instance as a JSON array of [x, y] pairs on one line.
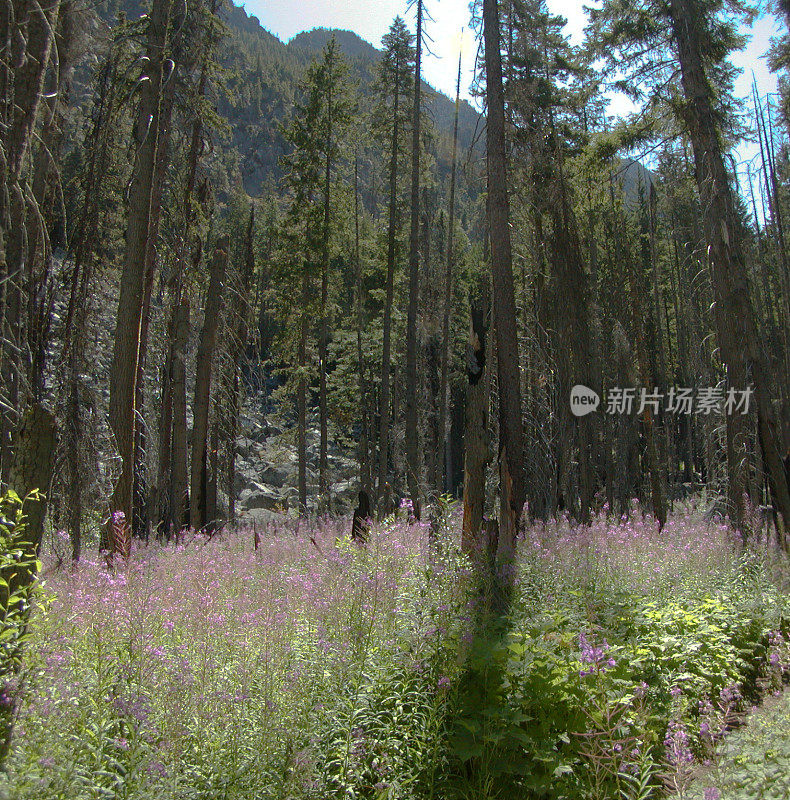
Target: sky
[[371, 19]]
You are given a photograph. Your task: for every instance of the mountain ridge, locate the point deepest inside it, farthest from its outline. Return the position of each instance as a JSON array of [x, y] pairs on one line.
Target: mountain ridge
[[261, 150]]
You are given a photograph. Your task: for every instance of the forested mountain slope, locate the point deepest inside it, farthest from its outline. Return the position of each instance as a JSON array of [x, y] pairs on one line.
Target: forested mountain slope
[[262, 75]]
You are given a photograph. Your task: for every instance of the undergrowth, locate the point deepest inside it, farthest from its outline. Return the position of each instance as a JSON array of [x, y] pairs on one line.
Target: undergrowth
[[320, 670]]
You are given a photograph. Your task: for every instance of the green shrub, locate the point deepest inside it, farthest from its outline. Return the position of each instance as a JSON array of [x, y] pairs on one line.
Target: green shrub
[[581, 693], [17, 590]]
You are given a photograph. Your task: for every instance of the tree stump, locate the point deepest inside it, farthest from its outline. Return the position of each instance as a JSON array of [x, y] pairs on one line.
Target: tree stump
[[360, 525]]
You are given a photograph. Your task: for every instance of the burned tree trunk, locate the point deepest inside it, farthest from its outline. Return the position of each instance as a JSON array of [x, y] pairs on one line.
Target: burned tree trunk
[[200, 409], [34, 451], [477, 452], [301, 396], [511, 438], [142, 191], [364, 394], [29, 30], [382, 495], [658, 498], [178, 512], [239, 349]]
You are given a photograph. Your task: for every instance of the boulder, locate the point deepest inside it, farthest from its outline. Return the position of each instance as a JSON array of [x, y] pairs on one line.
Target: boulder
[[345, 490], [242, 479], [261, 518], [343, 468], [257, 495], [273, 475], [244, 449], [293, 474], [258, 432]]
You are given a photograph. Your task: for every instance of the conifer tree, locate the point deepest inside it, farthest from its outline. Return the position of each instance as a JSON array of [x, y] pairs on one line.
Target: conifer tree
[[314, 134], [412, 436], [694, 37], [334, 119], [393, 87]]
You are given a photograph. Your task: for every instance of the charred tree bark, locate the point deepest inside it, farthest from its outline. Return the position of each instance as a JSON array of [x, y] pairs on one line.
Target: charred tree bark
[[43, 209], [179, 318], [477, 451], [165, 433], [238, 358], [126, 347], [658, 498], [301, 395], [178, 517], [198, 515], [34, 451], [323, 335], [212, 474], [30, 28], [364, 394], [511, 439]]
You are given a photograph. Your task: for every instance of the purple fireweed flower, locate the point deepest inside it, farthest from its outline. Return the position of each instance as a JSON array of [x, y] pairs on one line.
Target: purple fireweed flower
[[594, 656], [729, 695], [711, 793], [157, 768], [676, 743]]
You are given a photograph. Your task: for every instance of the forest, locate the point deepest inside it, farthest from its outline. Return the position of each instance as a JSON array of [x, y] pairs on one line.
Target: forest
[[361, 442]]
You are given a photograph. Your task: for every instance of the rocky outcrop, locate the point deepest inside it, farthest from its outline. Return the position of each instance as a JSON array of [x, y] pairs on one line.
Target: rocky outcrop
[[267, 471]]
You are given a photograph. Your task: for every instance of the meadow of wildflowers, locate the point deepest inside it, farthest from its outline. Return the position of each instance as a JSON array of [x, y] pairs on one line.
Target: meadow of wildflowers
[[317, 668]]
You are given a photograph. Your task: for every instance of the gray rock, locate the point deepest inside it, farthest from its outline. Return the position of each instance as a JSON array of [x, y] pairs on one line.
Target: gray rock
[[273, 475], [258, 496], [261, 518], [244, 448], [293, 474], [345, 490], [343, 468], [258, 432], [241, 481]]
